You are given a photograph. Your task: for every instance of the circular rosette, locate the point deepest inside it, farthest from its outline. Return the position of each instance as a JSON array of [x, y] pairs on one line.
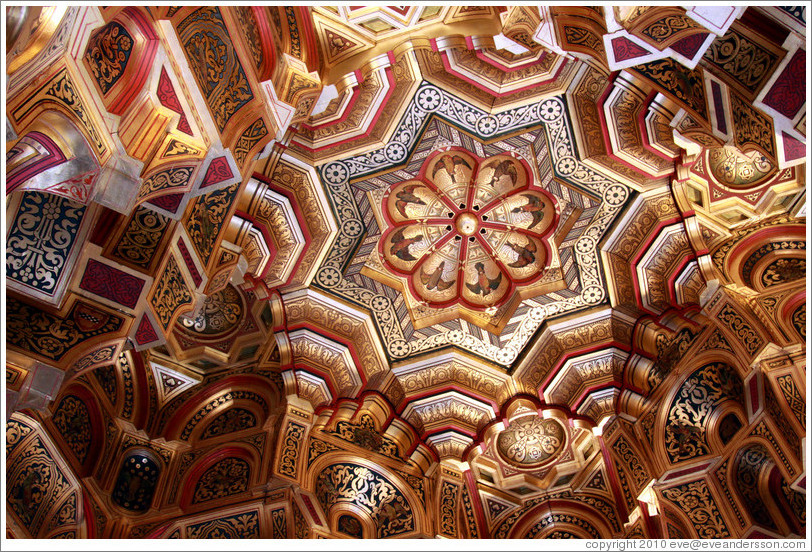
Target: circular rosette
[[404, 246], [452, 172], [529, 210], [414, 200], [485, 284], [531, 442], [522, 254], [435, 279], [498, 176]]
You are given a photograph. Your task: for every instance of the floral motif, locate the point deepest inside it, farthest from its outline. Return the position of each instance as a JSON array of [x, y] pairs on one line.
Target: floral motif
[[744, 60], [468, 231], [448, 509], [786, 269], [249, 139], [207, 217], [685, 85], [175, 178], [140, 241], [290, 451], [214, 63], [35, 484], [106, 377], [50, 336], [239, 526], [695, 500], [798, 320], [699, 396], [428, 99], [732, 168], [233, 419]]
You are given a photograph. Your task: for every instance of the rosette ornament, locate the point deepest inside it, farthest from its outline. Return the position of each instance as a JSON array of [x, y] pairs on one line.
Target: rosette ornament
[[468, 231]]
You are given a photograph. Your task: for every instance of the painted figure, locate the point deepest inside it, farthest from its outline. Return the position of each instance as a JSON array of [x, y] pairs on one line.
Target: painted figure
[[400, 245], [484, 285], [534, 206]]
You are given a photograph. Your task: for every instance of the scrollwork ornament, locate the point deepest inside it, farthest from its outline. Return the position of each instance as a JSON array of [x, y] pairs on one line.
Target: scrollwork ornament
[[227, 477], [290, 449], [448, 509], [696, 501]]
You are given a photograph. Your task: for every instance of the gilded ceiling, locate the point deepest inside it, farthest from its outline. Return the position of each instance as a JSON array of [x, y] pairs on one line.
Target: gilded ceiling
[[421, 271]]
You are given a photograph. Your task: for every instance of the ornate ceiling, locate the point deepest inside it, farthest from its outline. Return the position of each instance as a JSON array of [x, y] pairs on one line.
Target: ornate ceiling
[[372, 272]]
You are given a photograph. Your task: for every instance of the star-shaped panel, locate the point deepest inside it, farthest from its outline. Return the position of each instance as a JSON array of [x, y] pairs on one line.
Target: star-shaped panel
[[390, 248]]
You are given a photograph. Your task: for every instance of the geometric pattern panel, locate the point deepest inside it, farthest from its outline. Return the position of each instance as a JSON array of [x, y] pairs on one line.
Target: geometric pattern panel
[[111, 283]]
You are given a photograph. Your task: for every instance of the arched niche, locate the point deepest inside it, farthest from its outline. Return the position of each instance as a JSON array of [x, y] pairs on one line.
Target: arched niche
[[351, 521], [224, 473], [76, 416], [137, 481], [343, 483], [571, 516], [249, 392], [761, 487], [697, 407], [769, 259]]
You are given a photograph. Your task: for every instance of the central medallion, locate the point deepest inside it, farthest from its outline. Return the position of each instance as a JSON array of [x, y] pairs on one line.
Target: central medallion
[[466, 237], [467, 224]]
